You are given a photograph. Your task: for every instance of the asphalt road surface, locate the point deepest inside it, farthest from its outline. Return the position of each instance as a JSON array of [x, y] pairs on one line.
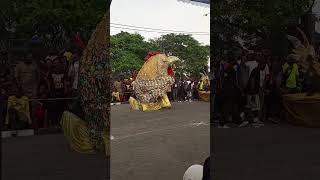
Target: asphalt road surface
[[272, 152], [163, 144], [159, 145], [48, 157], [151, 145]]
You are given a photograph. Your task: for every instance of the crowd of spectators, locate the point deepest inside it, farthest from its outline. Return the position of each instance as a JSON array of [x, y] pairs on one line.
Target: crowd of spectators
[[248, 87], [183, 89], [35, 90]]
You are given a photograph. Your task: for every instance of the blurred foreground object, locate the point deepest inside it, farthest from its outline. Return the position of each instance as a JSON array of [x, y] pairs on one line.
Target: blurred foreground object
[[91, 133], [303, 108], [194, 172]]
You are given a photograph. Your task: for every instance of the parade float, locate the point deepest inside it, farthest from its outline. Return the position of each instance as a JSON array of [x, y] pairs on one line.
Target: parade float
[[204, 94], [303, 108], [153, 82]]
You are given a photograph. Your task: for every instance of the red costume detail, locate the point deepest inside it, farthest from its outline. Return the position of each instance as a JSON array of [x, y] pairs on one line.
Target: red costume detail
[[78, 41], [170, 71], [150, 54]]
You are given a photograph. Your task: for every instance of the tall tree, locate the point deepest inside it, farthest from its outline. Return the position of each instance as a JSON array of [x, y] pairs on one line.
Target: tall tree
[[127, 52], [193, 55], [22, 18], [257, 20]]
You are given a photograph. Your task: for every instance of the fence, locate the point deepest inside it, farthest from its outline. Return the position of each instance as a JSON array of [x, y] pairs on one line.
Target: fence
[[45, 114], [52, 112], [51, 109]]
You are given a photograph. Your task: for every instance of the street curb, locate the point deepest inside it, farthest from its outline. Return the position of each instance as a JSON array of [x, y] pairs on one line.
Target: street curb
[[20, 133], [115, 104]]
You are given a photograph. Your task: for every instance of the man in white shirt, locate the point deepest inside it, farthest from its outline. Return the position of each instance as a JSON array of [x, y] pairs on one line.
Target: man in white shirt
[[252, 63], [189, 90], [264, 73]]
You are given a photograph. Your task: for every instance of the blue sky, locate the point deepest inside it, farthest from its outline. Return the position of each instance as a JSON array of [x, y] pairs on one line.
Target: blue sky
[[161, 14]]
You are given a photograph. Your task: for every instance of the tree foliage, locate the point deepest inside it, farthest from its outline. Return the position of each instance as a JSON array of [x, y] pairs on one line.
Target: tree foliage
[[27, 16], [128, 51], [192, 54], [261, 20]]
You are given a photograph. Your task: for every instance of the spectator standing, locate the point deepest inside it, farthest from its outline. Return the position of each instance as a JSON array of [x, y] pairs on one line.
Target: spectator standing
[[51, 58], [274, 99], [230, 97], [189, 87], [40, 114], [195, 90], [290, 75], [44, 71], [181, 90], [58, 90], [5, 86], [186, 87], [74, 74], [252, 62], [175, 90], [27, 76], [118, 86], [256, 88], [242, 78]]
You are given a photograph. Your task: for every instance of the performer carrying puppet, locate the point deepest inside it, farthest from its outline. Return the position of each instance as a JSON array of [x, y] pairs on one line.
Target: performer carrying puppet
[[152, 83]]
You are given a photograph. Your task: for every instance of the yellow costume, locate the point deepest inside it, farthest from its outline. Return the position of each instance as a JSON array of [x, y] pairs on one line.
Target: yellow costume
[[21, 105], [77, 133], [204, 95], [116, 95], [152, 84], [301, 108]]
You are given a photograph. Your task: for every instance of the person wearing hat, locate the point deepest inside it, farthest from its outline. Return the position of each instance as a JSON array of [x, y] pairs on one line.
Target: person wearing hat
[[290, 75]]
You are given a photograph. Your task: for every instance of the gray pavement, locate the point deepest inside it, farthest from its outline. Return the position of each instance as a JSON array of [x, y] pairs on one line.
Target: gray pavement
[[151, 145], [48, 157], [158, 145], [272, 152], [163, 144]]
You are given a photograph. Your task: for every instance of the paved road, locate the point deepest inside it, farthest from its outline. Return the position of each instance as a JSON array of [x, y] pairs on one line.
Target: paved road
[[155, 145], [158, 145], [47, 157], [162, 144], [288, 153]]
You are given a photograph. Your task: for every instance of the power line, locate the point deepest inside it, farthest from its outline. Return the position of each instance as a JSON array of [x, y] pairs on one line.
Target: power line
[[162, 30]]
